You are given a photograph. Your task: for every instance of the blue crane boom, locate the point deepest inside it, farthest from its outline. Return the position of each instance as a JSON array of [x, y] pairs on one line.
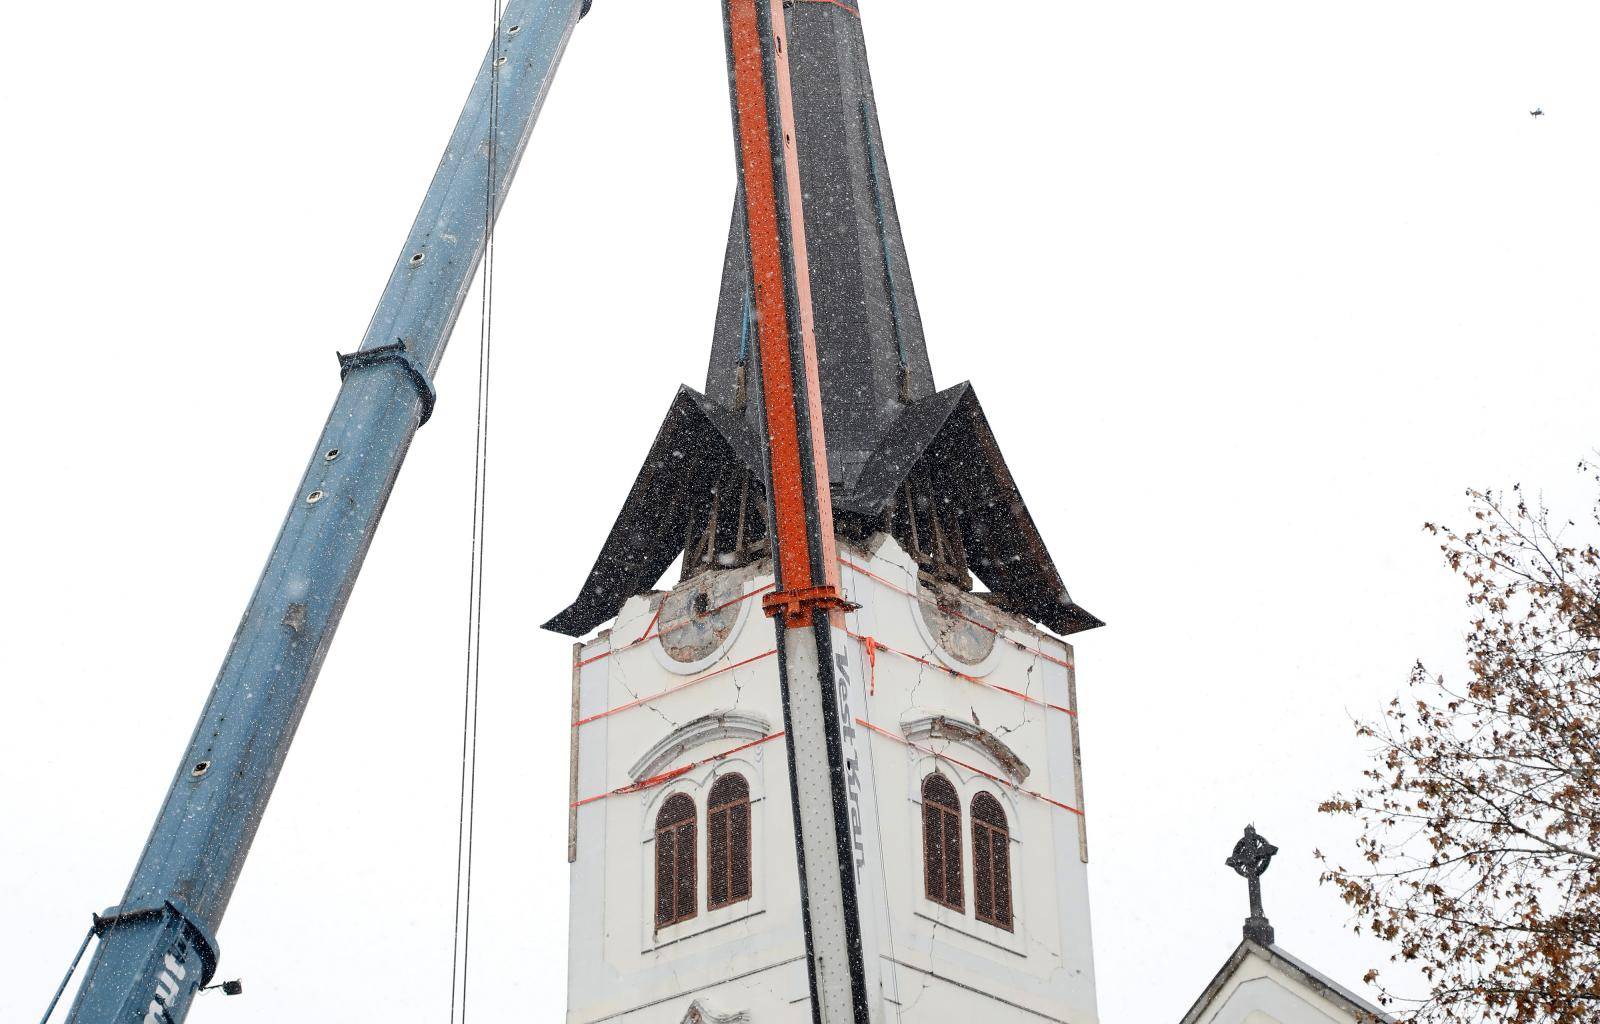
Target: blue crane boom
[[158, 947]]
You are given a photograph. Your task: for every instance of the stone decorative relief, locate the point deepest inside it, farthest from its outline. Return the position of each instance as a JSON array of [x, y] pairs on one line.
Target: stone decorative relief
[[963, 631], [732, 725], [699, 1014], [940, 727], [700, 615]]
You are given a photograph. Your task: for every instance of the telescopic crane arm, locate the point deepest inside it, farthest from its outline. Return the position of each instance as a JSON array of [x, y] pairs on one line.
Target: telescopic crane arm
[[158, 947]]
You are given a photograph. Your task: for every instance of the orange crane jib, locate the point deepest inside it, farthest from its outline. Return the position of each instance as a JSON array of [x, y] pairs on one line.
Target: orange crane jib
[[807, 563]]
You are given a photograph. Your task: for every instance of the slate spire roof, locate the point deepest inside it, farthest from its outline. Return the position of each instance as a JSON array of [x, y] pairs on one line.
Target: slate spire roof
[[902, 456], [870, 348]]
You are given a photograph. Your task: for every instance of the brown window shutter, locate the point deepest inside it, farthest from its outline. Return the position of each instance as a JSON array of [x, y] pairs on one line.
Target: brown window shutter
[[932, 861], [728, 842], [717, 858], [675, 874], [991, 862], [664, 884], [739, 829], [941, 842], [685, 871], [1002, 880], [953, 896], [982, 873]]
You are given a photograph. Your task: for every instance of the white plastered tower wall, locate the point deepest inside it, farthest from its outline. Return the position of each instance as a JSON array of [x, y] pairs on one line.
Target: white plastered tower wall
[[683, 689]]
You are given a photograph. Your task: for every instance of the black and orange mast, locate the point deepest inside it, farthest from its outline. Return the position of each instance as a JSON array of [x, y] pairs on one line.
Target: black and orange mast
[[805, 604]]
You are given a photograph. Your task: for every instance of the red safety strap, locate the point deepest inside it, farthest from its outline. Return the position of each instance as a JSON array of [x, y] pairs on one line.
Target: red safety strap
[[951, 611], [668, 776], [673, 689], [873, 642], [648, 635], [971, 768]]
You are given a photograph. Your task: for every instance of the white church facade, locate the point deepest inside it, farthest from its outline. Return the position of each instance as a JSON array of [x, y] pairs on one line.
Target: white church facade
[[972, 850], [972, 868]]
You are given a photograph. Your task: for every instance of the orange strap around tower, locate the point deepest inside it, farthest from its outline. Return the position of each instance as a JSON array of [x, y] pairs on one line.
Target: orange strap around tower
[[724, 670], [872, 643], [649, 635], [991, 776], [951, 611], [670, 774]]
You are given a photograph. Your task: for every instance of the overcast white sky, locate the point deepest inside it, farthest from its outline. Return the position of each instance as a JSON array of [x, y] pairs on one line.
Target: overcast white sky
[[1249, 289]]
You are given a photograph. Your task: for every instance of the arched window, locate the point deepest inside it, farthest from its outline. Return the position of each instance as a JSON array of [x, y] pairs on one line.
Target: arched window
[[675, 861], [941, 842], [728, 842], [991, 862]]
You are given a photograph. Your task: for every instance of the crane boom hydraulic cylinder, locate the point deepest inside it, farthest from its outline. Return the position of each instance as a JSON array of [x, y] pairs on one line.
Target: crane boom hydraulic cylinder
[[806, 604], [158, 947]]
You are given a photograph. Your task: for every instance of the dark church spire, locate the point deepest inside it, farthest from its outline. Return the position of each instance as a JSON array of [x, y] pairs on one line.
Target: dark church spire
[[903, 458], [872, 356]]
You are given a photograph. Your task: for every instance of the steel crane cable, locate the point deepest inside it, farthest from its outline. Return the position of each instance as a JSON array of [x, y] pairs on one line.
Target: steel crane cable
[[48, 1010], [466, 810]]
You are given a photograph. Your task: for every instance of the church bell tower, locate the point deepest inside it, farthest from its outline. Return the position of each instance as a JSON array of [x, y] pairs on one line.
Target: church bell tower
[[957, 703]]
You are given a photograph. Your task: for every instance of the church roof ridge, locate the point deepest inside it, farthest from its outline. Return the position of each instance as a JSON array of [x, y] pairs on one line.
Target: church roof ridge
[[1362, 1010]]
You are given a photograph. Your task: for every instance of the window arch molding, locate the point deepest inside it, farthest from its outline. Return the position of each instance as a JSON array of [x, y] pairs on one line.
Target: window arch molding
[[920, 727], [718, 725]]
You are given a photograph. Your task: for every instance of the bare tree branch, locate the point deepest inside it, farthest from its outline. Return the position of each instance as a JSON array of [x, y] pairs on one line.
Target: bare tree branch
[[1478, 824]]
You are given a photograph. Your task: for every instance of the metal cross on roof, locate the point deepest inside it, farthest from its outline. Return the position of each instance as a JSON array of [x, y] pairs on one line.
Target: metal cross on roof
[[1251, 857]]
